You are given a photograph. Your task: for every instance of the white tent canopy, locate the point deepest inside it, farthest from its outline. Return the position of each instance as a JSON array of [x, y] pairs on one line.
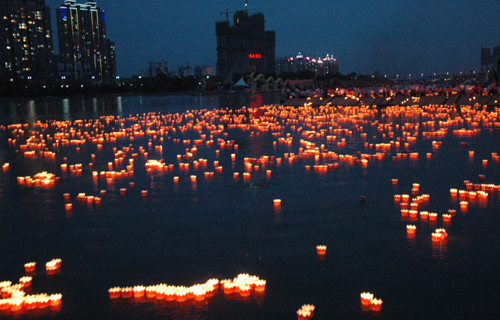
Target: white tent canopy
[[240, 83]]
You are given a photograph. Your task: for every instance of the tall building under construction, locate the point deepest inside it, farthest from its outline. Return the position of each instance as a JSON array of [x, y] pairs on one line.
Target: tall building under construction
[[245, 46]]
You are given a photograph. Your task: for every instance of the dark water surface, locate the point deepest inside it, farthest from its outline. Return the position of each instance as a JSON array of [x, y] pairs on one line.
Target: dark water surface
[[183, 234]]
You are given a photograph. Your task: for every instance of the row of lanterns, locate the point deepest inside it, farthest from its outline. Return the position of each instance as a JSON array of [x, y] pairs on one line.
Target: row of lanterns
[[243, 285], [15, 301]]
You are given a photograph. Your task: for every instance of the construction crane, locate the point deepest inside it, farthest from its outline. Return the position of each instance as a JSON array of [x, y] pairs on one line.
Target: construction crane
[[227, 11]]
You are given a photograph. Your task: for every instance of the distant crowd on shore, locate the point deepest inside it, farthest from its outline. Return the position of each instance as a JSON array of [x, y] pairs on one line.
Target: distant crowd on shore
[[388, 91]]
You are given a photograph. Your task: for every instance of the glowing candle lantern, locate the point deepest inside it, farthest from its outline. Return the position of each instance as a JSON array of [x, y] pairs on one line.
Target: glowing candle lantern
[[123, 191], [28, 268], [131, 185], [485, 162], [436, 237], [321, 250], [126, 292], [260, 285], [303, 314], [472, 195], [277, 202], [5, 167], [193, 178], [366, 298], [144, 193], [376, 304], [433, 216], [397, 198], [405, 198], [55, 299], [16, 304], [151, 292], [411, 229], [43, 302], [464, 205], [199, 294], [68, 206], [244, 289], [442, 233], [453, 192], [424, 215], [139, 291], [103, 193], [446, 217], [394, 182]]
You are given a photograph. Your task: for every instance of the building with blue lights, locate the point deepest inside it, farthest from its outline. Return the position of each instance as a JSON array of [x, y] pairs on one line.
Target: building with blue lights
[[81, 30]]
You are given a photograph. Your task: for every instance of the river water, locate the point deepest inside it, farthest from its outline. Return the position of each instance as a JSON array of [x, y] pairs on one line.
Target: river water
[[186, 233]]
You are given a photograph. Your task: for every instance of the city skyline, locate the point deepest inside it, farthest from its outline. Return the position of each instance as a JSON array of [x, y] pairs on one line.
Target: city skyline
[[393, 37]]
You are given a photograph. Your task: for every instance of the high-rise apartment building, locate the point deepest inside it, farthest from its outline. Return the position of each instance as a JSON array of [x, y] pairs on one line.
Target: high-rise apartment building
[[26, 46], [81, 29], [245, 46], [320, 66]]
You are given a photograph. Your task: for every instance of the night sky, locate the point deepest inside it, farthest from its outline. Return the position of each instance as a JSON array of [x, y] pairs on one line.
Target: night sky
[[391, 36]]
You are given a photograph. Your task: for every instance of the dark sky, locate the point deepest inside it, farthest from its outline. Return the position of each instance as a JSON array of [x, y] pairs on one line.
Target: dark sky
[[392, 36]]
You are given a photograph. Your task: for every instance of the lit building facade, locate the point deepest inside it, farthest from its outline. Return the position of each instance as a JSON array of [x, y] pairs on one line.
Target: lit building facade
[[81, 30], [245, 46], [320, 66], [26, 46]]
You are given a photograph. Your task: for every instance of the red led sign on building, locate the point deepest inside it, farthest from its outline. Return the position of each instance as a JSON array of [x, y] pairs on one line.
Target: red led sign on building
[[254, 56]]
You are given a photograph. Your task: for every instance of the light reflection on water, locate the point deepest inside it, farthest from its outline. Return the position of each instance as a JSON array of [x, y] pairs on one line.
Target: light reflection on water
[[185, 232]]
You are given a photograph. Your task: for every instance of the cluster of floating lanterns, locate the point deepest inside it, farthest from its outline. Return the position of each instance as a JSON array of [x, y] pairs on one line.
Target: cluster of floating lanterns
[[370, 303], [15, 301], [41, 179], [323, 124], [243, 285], [53, 266]]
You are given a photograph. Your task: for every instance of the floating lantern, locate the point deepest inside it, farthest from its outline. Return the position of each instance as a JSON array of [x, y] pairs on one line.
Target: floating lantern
[[442, 233], [321, 250], [144, 193], [464, 205], [366, 298], [277, 202], [28, 268], [394, 182], [410, 229], [126, 292], [55, 299], [25, 281], [453, 193], [139, 291], [5, 167], [260, 285], [376, 305]]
